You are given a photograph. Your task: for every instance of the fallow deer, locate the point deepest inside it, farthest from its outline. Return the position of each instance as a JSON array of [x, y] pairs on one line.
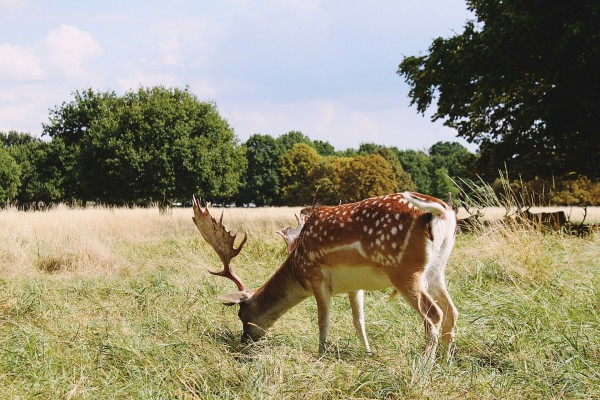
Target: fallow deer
[[400, 240]]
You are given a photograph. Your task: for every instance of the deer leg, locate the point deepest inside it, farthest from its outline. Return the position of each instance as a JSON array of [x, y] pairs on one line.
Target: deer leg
[[450, 314], [414, 292], [357, 299], [322, 292]]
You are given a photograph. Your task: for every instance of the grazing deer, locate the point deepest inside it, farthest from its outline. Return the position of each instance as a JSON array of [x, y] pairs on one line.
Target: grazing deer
[[472, 222], [555, 220], [401, 241]]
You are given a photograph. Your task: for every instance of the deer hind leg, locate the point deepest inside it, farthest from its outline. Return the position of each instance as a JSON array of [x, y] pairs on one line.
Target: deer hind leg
[[322, 292], [450, 314], [414, 292], [357, 299]]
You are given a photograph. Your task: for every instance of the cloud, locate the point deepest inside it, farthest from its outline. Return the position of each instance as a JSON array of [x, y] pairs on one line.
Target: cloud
[[169, 52], [20, 64], [12, 4], [66, 49]]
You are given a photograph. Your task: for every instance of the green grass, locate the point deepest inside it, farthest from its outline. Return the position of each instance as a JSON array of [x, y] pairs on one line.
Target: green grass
[[110, 310]]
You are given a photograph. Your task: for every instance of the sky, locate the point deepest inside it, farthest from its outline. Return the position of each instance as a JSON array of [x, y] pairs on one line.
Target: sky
[[326, 68]]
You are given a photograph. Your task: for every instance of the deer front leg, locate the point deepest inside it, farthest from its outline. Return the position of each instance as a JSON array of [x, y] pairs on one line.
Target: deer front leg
[[322, 292], [357, 300]]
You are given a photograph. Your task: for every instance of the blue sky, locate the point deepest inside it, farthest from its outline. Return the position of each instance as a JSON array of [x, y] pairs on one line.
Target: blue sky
[[326, 68]]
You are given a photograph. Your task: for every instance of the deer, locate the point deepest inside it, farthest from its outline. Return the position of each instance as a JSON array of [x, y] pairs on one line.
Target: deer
[[401, 240], [554, 220], [472, 222]]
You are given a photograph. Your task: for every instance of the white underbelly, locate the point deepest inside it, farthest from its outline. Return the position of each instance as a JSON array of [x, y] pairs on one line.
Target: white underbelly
[[348, 278]]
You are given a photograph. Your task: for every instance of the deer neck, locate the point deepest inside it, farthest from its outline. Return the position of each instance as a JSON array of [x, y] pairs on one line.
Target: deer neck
[[280, 293]]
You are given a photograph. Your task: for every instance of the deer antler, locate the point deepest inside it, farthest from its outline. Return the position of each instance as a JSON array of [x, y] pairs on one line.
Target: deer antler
[[220, 239]]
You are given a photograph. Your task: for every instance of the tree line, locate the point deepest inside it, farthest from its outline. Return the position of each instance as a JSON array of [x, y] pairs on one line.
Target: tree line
[[160, 145]]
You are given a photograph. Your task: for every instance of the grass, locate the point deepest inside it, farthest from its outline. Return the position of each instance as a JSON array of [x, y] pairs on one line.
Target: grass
[[101, 303]]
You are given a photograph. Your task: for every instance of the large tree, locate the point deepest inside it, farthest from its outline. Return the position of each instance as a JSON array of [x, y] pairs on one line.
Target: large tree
[[153, 144], [520, 81], [367, 176], [261, 184]]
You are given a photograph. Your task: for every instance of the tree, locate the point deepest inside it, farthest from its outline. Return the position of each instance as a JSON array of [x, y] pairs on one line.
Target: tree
[[261, 184], [367, 176], [442, 185], [288, 140], [323, 181], [39, 163], [9, 176], [323, 148], [521, 77], [418, 164], [455, 158], [154, 144], [296, 163], [390, 154]]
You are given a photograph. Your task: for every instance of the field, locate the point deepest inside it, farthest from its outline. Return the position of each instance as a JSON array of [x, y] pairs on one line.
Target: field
[[117, 303]]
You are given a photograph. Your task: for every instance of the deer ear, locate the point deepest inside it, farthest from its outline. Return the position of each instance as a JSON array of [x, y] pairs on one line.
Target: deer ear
[[231, 299]]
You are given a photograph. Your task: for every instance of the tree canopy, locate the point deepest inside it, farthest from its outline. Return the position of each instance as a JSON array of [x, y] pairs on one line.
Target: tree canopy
[[148, 145], [520, 82]]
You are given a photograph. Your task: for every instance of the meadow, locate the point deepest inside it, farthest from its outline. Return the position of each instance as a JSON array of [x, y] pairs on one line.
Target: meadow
[[103, 303]]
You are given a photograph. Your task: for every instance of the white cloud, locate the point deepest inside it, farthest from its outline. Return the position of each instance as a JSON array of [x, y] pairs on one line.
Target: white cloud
[[19, 63], [66, 49], [301, 5], [133, 75], [169, 52], [12, 4]]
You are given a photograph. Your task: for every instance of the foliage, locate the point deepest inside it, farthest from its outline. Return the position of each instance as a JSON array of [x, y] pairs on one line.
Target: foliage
[[519, 81], [418, 164], [155, 144], [403, 179], [39, 164], [9, 176], [572, 191], [296, 163], [454, 157], [323, 148], [367, 176], [261, 184], [288, 140]]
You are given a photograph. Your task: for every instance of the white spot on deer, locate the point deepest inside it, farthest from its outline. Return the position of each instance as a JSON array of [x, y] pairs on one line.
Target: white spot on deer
[[365, 228], [370, 231], [394, 245], [394, 230]]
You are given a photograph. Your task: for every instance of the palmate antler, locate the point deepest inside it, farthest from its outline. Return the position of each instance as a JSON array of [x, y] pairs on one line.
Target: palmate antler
[[221, 240]]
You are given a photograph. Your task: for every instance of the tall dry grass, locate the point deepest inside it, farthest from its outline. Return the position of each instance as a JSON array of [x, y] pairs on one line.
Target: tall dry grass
[[116, 303]]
